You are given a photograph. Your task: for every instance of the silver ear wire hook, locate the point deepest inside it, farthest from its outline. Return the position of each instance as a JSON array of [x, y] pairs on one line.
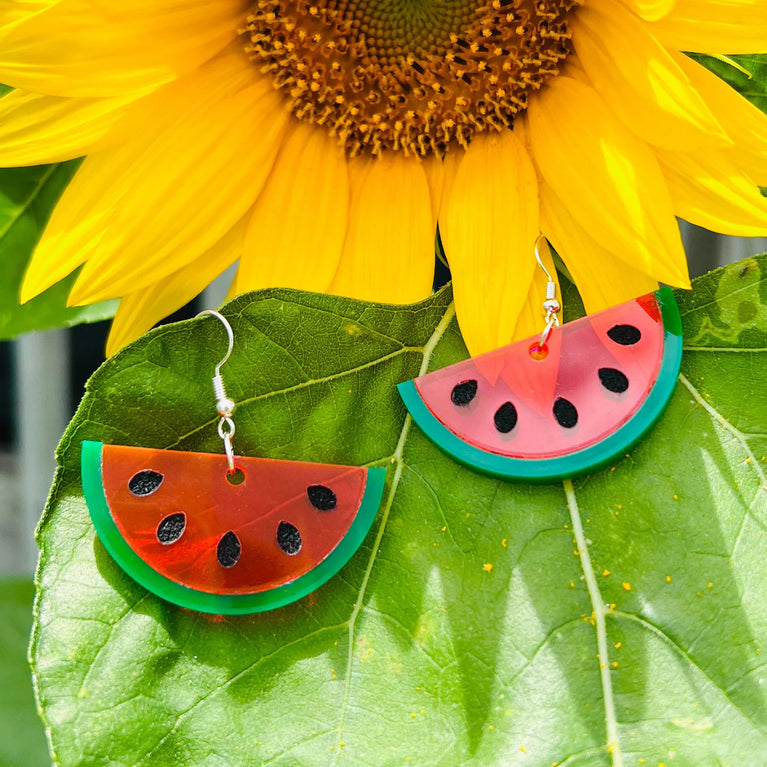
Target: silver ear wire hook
[[551, 306], [224, 405]]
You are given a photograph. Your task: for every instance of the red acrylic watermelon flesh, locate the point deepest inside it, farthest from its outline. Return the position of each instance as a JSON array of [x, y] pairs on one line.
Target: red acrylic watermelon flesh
[[196, 529], [589, 385]]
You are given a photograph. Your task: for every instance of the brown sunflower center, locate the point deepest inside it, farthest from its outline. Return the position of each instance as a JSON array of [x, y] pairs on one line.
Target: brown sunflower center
[[410, 75]]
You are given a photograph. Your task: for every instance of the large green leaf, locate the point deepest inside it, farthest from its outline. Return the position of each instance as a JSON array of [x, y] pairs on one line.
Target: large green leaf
[[746, 73], [22, 741], [27, 197], [609, 621]]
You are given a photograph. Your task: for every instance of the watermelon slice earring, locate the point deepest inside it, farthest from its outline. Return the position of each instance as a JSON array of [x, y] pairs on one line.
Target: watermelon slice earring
[[561, 405], [223, 533]]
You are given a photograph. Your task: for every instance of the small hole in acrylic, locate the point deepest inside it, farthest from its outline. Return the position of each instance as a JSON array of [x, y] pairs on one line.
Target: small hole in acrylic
[[236, 477]]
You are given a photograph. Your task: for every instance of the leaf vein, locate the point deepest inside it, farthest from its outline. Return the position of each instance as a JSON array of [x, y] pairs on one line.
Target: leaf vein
[[598, 606], [397, 459], [26, 203], [648, 625]]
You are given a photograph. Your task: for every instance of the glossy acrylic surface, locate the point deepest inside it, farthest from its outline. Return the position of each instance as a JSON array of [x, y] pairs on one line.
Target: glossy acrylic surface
[[577, 352], [604, 382], [175, 522]]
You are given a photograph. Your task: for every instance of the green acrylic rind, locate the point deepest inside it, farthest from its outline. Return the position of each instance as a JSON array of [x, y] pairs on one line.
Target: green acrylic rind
[[220, 604], [582, 461]]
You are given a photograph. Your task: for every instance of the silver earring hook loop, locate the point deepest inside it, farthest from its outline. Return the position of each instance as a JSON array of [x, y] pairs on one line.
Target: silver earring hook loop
[[538, 255], [229, 332], [224, 405], [551, 306]]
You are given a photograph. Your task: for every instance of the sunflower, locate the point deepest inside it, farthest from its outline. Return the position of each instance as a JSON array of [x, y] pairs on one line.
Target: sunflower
[[322, 143]]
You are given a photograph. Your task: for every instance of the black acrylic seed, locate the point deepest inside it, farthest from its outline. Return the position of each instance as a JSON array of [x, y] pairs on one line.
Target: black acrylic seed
[[613, 380], [625, 335], [145, 482], [288, 538], [463, 393], [505, 418], [236, 477], [228, 550], [171, 528], [565, 413], [321, 497]]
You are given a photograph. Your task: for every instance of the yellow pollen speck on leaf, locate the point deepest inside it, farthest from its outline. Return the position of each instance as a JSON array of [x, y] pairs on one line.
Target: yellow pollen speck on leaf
[[487, 567], [522, 749], [676, 497], [505, 543], [605, 572], [572, 585], [668, 579], [710, 585], [626, 586], [614, 664], [618, 645]]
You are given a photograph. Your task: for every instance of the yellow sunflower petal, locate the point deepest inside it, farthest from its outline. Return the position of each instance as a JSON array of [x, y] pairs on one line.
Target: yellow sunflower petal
[[143, 209], [434, 168], [602, 279], [708, 190], [140, 310], [297, 228], [714, 26], [650, 10], [187, 191], [745, 123], [87, 49], [609, 180], [388, 254], [37, 129], [640, 81], [449, 168], [19, 10], [492, 226]]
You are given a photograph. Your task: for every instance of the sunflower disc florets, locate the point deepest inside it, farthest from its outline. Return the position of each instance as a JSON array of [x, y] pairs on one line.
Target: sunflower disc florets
[[408, 75]]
